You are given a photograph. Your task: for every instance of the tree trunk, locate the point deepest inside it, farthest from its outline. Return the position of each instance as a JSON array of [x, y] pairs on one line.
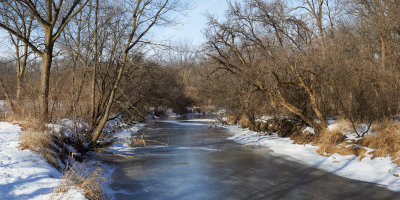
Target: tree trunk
[[97, 132], [44, 85], [293, 109], [383, 52], [93, 86], [317, 111], [8, 97], [20, 77], [19, 91], [321, 37]]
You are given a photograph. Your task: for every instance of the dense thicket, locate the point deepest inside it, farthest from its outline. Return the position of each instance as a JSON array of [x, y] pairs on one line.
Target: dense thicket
[[313, 60], [87, 60]]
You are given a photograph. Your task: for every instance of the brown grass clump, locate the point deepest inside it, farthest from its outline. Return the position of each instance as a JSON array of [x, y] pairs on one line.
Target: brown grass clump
[[232, 119], [343, 150], [34, 141], [244, 121], [333, 141], [386, 142], [385, 125], [301, 137], [329, 139], [344, 125], [90, 183], [39, 142], [262, 127], [30, 124]]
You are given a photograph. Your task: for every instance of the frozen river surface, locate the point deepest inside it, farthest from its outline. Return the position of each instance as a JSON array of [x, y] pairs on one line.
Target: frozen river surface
[[200, 163]]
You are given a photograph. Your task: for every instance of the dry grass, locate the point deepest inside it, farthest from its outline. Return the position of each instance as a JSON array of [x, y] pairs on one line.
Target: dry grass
[[329, 139], [244, 121], [80, 176], [333, 141], [261, 126], [342, 150], [138, 142], [386, 142], [29, 124], [343, 125], [53, 148], [384, 126], [34, 141], [232, 119], [301, 137], [39, 142]]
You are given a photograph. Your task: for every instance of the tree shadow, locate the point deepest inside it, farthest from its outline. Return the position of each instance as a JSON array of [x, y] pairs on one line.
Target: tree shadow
[[8, 190], [318, 184]]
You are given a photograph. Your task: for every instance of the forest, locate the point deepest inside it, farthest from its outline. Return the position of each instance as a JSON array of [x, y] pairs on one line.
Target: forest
[[301, 62]]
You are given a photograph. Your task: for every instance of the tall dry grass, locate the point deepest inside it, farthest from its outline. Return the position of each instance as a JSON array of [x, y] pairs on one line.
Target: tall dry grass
[[244, 121], [333, 141], [386, 141], [83, 176], [40, 142]]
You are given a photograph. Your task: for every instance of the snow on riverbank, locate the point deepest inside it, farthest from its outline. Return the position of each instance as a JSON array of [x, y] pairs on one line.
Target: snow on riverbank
[[379, 170], [24, 174], [122, 146]]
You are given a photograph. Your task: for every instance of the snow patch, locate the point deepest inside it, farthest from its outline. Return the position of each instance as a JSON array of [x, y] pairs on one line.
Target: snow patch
[[200, 120], [121, 146], [24, 174], [380, 170]]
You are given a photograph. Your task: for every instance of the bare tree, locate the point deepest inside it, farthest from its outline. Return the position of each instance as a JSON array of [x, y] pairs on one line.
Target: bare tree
[[53, 16], [23, 20], [242, 49], [382, 15], [144, 15]]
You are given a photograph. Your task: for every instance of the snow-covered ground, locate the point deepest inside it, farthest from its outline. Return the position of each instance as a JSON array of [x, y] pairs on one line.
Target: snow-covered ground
[[380, 170], [24, 174]]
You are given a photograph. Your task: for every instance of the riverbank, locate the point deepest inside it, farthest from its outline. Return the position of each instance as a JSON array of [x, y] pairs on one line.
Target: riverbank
[[27, 175], [24, 174], [380, 170]]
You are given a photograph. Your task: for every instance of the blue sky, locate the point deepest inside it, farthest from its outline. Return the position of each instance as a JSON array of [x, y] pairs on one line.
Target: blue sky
[[191, 25]]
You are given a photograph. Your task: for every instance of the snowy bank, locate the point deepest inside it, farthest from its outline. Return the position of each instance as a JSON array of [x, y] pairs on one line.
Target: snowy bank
[[121, 146], [380, 170], [24, 174]]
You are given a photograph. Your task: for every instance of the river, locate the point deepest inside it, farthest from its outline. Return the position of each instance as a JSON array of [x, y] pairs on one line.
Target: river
[[200, 163]]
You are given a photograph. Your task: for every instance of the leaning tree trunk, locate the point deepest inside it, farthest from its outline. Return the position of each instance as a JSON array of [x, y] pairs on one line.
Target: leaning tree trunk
[[99, 129], [93, 113]]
